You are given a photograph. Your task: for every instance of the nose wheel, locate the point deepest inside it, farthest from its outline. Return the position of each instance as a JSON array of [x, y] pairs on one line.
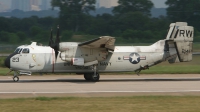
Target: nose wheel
[[15, 78]]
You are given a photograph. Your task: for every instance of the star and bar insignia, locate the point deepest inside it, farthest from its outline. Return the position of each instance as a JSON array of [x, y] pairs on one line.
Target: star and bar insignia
[[134, 58]]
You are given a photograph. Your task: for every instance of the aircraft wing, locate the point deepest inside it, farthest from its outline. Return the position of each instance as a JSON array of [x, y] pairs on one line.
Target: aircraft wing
[[101, 42]]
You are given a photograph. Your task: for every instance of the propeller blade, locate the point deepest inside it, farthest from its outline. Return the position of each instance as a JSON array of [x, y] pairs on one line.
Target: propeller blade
[[57, 41], [57, 36], [55, 45], [51, 42]]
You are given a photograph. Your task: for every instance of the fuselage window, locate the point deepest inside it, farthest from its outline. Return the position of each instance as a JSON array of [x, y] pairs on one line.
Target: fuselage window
[[25, 50]]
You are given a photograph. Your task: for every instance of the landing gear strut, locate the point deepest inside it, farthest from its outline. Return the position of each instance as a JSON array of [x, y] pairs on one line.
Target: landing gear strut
[[95, 77], [15, 77]]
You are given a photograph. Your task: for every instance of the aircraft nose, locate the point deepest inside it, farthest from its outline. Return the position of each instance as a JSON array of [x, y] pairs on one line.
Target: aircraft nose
[[7, 62]]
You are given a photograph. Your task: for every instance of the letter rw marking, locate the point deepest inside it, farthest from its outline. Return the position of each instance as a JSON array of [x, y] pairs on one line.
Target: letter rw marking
[[188, 33]]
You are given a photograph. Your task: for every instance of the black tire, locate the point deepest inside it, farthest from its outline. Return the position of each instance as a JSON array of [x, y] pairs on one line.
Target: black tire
[[94, 78], [15, 78], [87, 77]]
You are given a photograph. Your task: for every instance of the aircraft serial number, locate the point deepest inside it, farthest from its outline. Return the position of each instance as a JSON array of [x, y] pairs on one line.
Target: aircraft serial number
[[184, 51]]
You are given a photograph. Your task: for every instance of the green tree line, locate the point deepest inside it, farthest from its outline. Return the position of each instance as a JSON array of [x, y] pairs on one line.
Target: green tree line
[[131, 22]]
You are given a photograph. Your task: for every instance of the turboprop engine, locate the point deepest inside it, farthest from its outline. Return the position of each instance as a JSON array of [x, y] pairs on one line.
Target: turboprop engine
[[81, 56]]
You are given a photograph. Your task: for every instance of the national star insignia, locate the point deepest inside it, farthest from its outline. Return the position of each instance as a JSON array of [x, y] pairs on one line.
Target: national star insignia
[[134, 58]]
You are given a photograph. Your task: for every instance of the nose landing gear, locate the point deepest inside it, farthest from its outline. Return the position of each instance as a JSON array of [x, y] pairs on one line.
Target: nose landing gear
[[15, 77]]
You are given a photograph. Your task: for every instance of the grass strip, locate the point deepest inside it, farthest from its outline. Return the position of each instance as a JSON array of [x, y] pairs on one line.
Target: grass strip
[[105, 104]]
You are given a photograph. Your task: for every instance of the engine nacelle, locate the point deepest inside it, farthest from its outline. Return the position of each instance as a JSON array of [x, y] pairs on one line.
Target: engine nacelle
[[80, 62], [82, 56], [65, 46], [75, 61], [68, 50]]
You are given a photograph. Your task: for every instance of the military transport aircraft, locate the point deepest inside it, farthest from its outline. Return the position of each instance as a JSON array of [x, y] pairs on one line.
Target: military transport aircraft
[[101, 55]]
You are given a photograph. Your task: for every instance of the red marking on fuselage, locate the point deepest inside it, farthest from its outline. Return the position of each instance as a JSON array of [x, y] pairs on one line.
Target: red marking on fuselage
[[32, 47]]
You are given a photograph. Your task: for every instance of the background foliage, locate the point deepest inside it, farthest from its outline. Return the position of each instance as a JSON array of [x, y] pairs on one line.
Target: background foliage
[[131, 22]]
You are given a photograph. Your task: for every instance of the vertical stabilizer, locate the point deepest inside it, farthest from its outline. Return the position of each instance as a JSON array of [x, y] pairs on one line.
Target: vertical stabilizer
[[179, 41]]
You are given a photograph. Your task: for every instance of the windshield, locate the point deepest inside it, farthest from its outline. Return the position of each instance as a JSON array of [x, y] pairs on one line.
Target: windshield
[[18, 50]]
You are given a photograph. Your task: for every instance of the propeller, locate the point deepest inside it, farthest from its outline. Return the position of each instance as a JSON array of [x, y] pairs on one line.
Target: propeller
[[51, 42], [55, 45]]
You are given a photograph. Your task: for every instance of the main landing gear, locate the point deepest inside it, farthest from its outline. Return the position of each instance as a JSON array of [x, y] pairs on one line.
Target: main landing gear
[[92, 76]]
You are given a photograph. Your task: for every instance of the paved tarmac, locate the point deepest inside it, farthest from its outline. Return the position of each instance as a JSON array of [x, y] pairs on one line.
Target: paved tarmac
[[109, 85]]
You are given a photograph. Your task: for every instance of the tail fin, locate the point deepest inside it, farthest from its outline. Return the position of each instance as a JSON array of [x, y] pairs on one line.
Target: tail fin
[[179, 42]]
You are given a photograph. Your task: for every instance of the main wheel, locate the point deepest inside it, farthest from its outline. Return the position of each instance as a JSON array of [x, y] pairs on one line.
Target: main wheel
[[87, 77], [94, 77], [15, 78]]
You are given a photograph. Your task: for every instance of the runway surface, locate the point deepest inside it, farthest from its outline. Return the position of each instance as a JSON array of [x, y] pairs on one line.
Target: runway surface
[[109, 85]]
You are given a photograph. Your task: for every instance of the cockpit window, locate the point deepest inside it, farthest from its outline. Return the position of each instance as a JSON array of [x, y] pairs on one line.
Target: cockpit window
[[25, 50], [18, 50]]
